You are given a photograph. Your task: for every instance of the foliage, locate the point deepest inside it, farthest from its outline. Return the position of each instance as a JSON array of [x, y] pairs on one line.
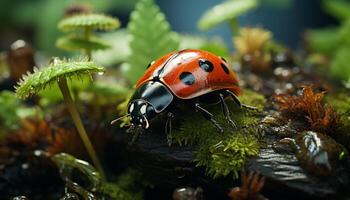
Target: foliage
[[12, 111], [323, 40], [151, 38], [309, 108], [225, 11], [90, 21], [226, 153], [334, 41], [337, 8], [119, 51], [339, 65], [32, 83], [75, 43], [83, 25]]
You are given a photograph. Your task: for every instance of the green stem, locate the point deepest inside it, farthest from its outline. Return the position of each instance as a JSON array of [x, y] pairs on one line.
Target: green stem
[[78, 124], [234, 26], [87, 34]]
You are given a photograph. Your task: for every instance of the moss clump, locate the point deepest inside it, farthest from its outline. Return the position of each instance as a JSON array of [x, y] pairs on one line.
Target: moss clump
[[339, 101], [228, 155], [223, 154]]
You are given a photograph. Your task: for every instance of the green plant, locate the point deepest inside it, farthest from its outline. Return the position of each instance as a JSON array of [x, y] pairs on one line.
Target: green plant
[[223, 154], [83, 25], [11, 112], [151, 38], [334, 41], [228, 11], [58, 72]]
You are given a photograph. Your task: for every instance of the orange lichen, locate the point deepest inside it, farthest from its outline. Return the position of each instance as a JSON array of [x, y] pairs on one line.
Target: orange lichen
[[251, 185], [310, 109]]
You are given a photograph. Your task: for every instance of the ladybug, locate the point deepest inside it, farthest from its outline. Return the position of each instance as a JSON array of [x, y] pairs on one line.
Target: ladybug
[[187, 77]]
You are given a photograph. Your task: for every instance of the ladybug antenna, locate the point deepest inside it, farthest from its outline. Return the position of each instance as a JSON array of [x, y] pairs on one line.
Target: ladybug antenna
[[118, 119]]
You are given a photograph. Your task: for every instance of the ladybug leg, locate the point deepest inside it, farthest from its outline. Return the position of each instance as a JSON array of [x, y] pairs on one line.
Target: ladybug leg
[[168, 128], [226, 111], [238, 102], [207, 115]]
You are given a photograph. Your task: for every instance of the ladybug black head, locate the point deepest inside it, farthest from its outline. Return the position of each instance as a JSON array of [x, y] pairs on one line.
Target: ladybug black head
[[140, 112]]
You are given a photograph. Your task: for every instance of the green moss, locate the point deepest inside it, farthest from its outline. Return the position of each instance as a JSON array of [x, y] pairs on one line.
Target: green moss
[[227, 153], [339, 101]]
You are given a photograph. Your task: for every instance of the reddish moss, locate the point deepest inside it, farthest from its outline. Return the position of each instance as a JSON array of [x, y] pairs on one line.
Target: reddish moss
[[309, 108], [68, 141], [251, 185]]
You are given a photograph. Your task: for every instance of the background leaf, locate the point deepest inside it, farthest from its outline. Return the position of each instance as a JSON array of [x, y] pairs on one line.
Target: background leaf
[[151, 38], [225, 11]]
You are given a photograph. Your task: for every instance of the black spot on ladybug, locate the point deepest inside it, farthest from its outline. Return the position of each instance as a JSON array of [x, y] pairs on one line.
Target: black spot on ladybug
[[187, 78], [206, 65], [224, 67], [223, 59]]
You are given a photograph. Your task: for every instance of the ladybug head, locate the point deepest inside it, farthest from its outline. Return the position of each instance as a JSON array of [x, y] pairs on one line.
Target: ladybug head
[[140, 112]]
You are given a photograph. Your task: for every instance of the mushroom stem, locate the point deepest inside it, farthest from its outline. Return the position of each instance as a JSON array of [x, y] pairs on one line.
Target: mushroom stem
[[87, 34]]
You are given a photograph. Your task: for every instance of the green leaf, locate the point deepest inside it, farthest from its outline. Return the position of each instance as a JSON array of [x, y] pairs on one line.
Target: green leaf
[[340, 63], [344, 33], [322, 40], [75, 43], [32, 83], [340, 9], [225, 11], [89, 21], [151, 38], [12, 111]]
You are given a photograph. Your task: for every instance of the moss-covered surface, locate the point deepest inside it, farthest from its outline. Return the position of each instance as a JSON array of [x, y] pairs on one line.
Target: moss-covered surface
[[227, 153], [341, 103], [127, 186]]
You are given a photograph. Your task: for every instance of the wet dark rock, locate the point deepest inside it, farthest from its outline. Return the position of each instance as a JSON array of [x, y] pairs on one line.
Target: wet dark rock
[[187, 193], [168, 168], [20, 198], [31, 174], [318, 153]]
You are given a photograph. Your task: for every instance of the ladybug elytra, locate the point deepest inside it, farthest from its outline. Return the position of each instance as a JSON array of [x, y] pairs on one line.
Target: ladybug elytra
[[190, 77]]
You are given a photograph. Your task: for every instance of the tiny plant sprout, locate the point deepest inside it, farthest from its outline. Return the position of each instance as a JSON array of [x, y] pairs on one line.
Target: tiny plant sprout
[[85, 41], [59, 71]]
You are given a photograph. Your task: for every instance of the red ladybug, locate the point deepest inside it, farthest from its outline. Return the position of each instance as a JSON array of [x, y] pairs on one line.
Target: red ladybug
[[188, 77]]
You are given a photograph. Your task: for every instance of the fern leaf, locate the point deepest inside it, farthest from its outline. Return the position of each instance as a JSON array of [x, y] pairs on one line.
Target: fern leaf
[[91, 21], [32, 83], [75, 43], [151, 38], [225, 11]]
